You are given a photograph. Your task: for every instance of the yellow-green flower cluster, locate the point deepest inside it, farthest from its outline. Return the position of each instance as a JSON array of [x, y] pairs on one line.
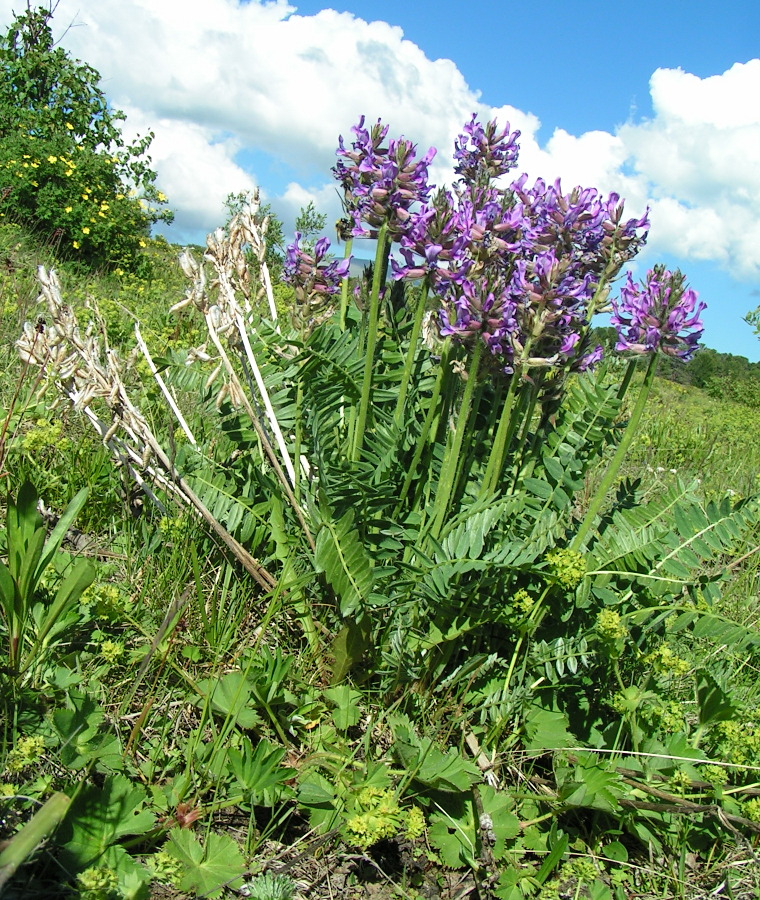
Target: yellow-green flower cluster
[[106, 601], [666, 662], [716, 775], [97, 883], [165, 868], [751, 809], [567, 566], [609, 626], [523, 602], [739, 741], [43, 435], [111, 651], [27, 752], [378, 815]]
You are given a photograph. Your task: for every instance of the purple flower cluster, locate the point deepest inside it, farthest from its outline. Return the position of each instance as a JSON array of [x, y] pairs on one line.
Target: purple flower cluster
[[381, 184], [521, 268], [485, 153], [309, 275], [661, 314]]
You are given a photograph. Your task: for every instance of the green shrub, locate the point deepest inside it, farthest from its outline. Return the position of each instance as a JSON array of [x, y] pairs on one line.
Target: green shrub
[[65, 170]]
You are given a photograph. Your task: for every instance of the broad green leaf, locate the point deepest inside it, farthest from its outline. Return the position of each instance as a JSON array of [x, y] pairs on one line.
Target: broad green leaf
[[99, 816], [230, 696], [59, 532], [429, 765], [714, 703], [546, 729], [454, 837], [506, 825], [346, 711], [349, 646], [258, 769], [209, 869]]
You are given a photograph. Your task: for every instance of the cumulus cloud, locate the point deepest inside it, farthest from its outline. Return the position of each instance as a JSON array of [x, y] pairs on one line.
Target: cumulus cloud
[[223, 81], [698, 159]]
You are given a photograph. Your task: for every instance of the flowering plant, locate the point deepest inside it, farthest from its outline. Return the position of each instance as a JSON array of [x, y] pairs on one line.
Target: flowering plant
[[420, 478]]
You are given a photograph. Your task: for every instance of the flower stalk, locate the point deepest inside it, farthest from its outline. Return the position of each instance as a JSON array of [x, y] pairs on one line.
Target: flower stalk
[[372, 330], [617, 460]]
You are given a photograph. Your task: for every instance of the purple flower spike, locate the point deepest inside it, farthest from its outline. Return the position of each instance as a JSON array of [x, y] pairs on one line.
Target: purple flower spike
[[308, 274], [483, 154], [662, 314], [381, 183]]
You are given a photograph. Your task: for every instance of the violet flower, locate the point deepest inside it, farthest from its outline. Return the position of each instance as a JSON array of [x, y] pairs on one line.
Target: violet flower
[[661, 314], [314, 280], [381, 183], [483, 154]]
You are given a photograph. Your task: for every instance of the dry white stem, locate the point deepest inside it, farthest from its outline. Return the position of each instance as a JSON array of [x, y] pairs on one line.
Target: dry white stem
[[162, 384], [269, 409]]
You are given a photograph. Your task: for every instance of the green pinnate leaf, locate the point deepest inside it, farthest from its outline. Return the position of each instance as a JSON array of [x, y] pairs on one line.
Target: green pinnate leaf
[[347, 567]]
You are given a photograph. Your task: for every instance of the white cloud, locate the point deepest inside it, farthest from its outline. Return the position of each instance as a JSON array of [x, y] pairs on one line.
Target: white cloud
[[698, 158], [197, 170], [216, 77]]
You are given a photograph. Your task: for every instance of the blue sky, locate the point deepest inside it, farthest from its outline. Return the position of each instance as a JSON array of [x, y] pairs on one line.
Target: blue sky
[[659, 101]]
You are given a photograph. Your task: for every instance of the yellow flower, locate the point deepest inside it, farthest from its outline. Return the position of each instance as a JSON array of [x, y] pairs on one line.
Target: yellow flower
[[69, 126], [161, 197], [75, 244], [68, 172], [68, 209], [85, 196], [52, 159], [143, 244], [85, 230]]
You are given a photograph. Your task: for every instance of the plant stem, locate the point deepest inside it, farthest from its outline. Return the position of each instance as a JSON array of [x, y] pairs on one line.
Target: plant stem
[[501, 442], [614, 465], [624, 384], [374, 315], [344, 289], [432, 412], [411, 352], [451, 459]]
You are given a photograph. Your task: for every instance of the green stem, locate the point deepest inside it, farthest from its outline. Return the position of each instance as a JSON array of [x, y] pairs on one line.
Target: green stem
[[501, 442], [23, 844], [432, 413], [534, 619], [369, 358], [344, 289], [614, 465], [451, 459], [411, 352], [624, 384], [298, 441]]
